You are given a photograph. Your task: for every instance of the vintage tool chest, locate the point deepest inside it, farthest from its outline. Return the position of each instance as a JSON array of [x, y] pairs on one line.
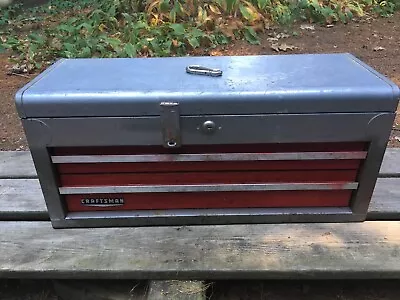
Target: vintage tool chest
[[149, 141]]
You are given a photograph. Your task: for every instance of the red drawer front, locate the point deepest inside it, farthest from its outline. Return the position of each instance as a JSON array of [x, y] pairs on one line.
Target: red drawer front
[[336, 198], [230, 177], [168, 171]]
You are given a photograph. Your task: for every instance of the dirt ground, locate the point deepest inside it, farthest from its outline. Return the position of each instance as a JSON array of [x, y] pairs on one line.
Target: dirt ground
[[375, 41]]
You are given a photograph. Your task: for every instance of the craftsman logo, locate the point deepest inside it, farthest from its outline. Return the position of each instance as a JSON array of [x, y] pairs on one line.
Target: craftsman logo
[[102, 202]]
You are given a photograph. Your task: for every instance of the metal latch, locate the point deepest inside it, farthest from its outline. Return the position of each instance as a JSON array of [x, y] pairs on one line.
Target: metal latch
[[170, 124]]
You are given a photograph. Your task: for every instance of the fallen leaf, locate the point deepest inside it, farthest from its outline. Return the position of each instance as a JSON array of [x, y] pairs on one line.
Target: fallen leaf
[[215, 9], [379, 48], [271, 39], [284, 47], [275, 47], [307, 27], [282, 36], [56, 43], [175, 43]]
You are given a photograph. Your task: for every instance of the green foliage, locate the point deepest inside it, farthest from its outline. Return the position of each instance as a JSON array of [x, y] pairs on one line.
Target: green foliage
[[383, 7], [101, 34], [8, 13], [131, 28]]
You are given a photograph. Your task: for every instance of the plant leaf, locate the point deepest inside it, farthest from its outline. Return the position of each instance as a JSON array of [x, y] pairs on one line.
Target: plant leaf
[[178, 29], [37, 38], [215, 9], [262, 4], [86, 52], [130, 50], [251, 36], [69, 47], [172, 16], [247, 13], [164, 6], [230, 5], [193, 42]]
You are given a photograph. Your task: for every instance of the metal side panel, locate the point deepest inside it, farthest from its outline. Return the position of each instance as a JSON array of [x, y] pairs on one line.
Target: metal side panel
[[229, 129], [370, 169]]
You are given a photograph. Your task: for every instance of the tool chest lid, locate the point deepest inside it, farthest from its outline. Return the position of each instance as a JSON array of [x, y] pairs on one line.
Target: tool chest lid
[[277, 84]]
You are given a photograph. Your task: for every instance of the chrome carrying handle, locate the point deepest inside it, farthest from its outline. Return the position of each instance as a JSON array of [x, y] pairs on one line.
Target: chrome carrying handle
[[199, 70]]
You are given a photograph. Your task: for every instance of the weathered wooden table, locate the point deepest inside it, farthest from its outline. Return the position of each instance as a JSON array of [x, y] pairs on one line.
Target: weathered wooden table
[[30, 247]]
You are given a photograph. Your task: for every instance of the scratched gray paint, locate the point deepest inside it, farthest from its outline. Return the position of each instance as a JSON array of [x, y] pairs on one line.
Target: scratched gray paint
[[249, 85]]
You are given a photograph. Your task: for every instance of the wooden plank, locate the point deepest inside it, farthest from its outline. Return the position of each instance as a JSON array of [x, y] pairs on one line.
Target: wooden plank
[[270, 251], [22, 199], [18, 164], [177, 290], [390, 165], [385, 204]]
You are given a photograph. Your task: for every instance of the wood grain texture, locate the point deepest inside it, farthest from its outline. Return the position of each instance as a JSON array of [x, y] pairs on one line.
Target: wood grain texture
[[355, 250], [385, 204], [18, 164], [390, 165], [22, 199], [176, 290]]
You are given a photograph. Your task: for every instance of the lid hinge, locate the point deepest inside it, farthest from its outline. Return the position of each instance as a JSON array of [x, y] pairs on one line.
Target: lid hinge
[[170, 124]]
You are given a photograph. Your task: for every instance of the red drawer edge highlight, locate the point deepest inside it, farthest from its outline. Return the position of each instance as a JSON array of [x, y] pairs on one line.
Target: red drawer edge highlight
[[268, 199]]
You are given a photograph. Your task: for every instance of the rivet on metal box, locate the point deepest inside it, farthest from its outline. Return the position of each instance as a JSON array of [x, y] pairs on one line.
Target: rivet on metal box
[[208, 140]]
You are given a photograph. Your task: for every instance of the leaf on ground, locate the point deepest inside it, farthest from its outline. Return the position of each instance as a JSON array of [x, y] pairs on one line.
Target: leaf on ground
[[56, 44], [272, 39], [282, 35], [282, 47], [379, 48], [307, 27]]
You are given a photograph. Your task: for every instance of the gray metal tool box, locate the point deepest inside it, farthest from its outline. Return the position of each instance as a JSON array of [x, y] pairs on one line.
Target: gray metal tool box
[[156, 141]]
